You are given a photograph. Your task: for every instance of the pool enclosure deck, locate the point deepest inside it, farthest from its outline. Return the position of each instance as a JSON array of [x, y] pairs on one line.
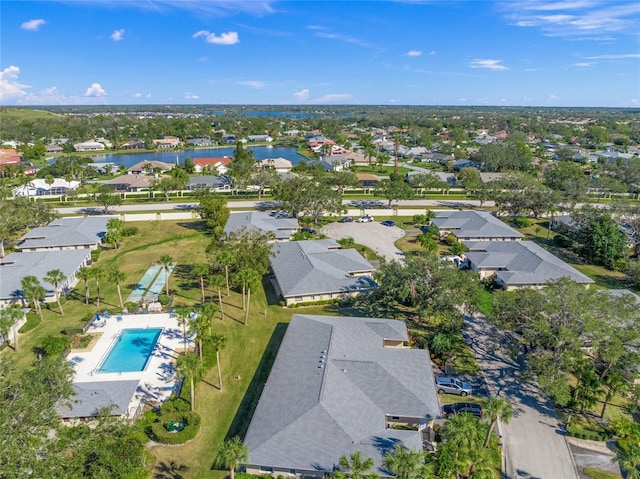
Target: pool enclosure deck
[[157, 381]]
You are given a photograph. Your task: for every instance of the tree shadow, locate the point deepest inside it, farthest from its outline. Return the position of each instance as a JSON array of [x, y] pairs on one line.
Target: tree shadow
[[169, 470], [243, 416], [195, 225]]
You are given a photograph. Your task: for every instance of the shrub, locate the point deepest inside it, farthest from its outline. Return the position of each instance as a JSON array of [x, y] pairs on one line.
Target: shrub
[[522, 222], [130, 231], [189, 419], [131, 306], [561, 241], [450, 239], [164, 299], [55, 345], [32, 321]]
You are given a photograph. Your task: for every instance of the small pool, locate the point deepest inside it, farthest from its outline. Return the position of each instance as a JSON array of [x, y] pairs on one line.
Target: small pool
[[132, 350]]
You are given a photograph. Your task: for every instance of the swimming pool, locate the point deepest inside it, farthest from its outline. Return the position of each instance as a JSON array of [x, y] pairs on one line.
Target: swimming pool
[[131, 351]]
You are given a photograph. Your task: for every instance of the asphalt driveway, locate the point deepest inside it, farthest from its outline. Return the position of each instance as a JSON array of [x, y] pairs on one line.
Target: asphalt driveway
[[379, 238]]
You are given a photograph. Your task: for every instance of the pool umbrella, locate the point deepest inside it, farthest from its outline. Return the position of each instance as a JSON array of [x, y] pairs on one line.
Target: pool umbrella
[[170, 369]]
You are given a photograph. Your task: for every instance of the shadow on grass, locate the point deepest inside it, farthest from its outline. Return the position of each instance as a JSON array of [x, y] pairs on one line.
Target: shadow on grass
[[243, 416], [169, 470]]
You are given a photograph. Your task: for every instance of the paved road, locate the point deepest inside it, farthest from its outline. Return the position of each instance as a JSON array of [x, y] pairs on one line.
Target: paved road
[[379, 238], [534, 445], [251, 204]]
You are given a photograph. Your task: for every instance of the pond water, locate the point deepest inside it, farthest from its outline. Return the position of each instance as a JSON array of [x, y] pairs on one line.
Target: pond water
[[260, 153]]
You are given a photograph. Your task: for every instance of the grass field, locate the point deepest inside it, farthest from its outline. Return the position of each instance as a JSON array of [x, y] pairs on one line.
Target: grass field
[[25, 114]]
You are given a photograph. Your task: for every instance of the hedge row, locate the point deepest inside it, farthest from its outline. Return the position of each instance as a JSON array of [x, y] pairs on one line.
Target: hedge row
[[160, 433], [32, 321], [588, 435]]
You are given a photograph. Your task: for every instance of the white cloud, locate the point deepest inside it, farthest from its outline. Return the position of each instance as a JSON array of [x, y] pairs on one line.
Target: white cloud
[[95, 90], [9, 86], [203, 59], [33, 25], [615, 57], [487, 63], [433, 52], [574, 18], [229, 38], [302, 94], [585, 64], [191, 96], [117, 35], [334, 98], [413, 53], [322, 32], [257, 84]]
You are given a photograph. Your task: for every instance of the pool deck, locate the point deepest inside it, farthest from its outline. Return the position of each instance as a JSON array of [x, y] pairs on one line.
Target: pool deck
[[155, 383]]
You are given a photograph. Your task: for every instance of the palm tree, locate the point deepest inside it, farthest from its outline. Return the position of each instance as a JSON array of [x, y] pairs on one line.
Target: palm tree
[[33, 291], [9, 318], [55, 277], [182, 315], [355, 467], [84, 273], [463, 434], [628, 458], [219, 341], [201, 325], [97, 274], [226, 258], [249, 278], [190, 365], [498, 409], [114, 234], [166, 261], [208, 311], [615, 384], [201, 270], [116, 276], [217, 281], [231, 454], [406, 464]]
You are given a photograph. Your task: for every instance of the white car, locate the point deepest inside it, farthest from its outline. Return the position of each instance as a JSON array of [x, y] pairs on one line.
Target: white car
[[365, 219]]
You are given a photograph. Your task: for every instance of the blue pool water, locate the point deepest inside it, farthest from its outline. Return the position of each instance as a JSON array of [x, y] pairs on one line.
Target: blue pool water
[[132, 351]]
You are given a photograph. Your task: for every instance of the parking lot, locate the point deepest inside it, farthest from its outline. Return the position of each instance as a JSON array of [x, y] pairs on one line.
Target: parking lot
[[379, 238]]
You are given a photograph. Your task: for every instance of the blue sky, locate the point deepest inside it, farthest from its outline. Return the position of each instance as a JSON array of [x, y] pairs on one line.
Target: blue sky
[[446, 52]]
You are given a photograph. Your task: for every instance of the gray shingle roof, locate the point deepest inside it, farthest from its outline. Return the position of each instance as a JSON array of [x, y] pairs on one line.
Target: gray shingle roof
[[521, 263], [283, 228], [86, 231], [90, 397], [315, 267], [474, 225], [330, 389], [16, 266]]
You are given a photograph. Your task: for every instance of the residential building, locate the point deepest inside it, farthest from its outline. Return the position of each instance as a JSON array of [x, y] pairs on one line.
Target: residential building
[[9, 156], [130, 182], [368, 180], [228, 139], [281, 165], [318, 270], [468, 225], [54, 149], [332, 162], [211, 182], [340, 385], [91, 397], [149, 167], [89, 146], [40, 187], [514, 264], [259, 138], [282, 227], [132, 145], [16, 266], [66, 233], [219, 165], [202, 142], [167, 142]]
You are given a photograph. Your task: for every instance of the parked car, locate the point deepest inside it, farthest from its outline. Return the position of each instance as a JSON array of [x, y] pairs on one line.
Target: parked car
[[388, 223], [308, 230], [447, 384], [346, 219], [365, 219], [475, 409]]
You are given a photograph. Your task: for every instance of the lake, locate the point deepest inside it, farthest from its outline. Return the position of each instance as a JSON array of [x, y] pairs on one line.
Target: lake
[[260, 153]]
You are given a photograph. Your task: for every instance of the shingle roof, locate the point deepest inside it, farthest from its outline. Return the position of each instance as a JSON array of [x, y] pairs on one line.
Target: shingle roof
[[283, 228], [84, 231], [16, 266], [315, 267], [330, 389], [473, 224], [90, 397], [521, 263]]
